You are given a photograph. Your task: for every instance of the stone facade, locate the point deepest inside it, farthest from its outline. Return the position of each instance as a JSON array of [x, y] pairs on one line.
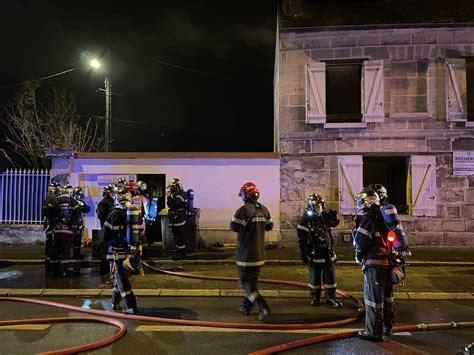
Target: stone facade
[[414, 71]]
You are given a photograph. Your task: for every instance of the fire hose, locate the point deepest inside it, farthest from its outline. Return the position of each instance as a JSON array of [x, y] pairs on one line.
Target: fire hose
[[272, 350]]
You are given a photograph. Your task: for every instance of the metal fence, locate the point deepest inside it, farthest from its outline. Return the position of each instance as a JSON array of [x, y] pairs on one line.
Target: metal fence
[[22, 193]]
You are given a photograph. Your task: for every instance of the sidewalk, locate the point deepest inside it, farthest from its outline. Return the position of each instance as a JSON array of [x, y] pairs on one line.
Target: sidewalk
[[439, 273]]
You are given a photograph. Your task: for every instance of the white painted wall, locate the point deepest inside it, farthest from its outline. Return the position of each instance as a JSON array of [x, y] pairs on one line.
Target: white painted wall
[[215, 181]]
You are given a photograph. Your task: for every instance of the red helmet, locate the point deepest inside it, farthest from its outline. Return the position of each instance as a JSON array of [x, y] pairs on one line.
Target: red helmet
[[249, 189]]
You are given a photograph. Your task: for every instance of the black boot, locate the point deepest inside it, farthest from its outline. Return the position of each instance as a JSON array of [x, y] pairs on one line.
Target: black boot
[[116, 298], [364, 335], [131, 302], [333, 303], [246, 306], [316, 301]]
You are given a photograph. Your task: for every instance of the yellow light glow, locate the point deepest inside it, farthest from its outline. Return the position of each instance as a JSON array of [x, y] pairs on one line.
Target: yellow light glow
[[95, 64]]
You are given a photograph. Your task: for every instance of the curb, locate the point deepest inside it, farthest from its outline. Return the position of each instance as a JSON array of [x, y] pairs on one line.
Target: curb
[[105, 292], [232, 262]]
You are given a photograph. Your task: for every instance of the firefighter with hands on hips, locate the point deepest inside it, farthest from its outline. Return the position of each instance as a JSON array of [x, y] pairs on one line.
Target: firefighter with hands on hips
[[373, 252], [177, 200], [250, 222], [316, 246], [104, 207], [121, 233], [50, 213], [67, 217], [141, 203], [78, 195]]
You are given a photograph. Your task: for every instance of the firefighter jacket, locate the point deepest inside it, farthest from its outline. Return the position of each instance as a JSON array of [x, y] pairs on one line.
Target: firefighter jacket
[[122, 226], [50, 211], [177, 208], [250, 222], [370, 239], [314, 235], [103, 208]]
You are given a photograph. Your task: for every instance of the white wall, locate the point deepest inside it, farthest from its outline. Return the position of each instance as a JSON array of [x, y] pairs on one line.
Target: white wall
[[215, 180]]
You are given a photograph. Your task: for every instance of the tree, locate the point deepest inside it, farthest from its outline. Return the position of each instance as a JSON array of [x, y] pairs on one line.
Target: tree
[[32, 126]]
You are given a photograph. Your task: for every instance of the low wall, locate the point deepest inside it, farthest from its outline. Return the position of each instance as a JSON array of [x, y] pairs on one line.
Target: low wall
[[21, 234]]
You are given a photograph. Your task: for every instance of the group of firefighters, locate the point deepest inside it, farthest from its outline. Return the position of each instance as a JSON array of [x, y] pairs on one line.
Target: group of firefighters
[[379, 239]]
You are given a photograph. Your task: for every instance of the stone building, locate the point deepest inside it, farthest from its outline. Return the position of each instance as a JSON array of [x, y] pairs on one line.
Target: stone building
[[357, 102]]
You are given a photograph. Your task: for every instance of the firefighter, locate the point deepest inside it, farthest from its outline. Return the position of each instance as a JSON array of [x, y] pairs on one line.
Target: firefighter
[[316, 246], [78, 195], [177, 200], [140, 201], [50, 211], [250, 223], [121, 233], [104, 207], [373, 254], [67, 217]]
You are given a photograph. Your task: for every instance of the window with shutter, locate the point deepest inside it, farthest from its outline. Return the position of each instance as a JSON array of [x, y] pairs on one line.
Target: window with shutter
[[350, 182], [316, 93], [423, 185], [373, 91], [456, 89]]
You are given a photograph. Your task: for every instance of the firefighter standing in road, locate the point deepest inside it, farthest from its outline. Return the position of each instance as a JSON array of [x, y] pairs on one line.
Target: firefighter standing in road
[[373, 253], [50, 212], [250, 222], [104, 207], [177, 200], [316, 245], [67, 217], [121, 233], [78, 195]]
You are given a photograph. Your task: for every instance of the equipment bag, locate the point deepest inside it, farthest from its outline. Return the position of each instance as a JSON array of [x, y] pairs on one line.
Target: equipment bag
[[397, 275]]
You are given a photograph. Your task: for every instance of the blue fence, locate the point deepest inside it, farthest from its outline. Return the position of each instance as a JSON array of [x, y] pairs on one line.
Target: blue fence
[[22, 192]]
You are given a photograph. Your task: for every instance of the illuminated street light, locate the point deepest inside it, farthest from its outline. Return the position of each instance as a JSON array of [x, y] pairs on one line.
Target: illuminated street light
[[108, 105]]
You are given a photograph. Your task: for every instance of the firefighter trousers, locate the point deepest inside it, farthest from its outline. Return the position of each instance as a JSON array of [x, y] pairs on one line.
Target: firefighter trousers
[[61, 262], [378, 300], [248, 276], [122, 286], [322, 275]]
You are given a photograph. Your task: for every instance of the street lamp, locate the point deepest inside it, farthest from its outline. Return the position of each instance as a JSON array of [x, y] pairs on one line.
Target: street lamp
[[108, 105]]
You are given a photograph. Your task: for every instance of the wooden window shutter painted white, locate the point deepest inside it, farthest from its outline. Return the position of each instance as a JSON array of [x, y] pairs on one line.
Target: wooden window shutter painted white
[[423, 185], [372, 76], [350, 182], [456, 89], [316, 93]]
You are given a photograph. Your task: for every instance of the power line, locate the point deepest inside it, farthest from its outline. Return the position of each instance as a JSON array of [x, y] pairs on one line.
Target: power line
[[38, 79], [210, 74]]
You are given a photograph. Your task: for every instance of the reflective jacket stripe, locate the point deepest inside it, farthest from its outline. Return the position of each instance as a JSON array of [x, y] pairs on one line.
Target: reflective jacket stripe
[[303, 228], [250, 263], [383, 262], [364, 231], [238, 221]]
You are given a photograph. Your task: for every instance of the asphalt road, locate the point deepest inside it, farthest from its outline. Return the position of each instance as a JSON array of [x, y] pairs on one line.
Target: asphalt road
[[147, 338]]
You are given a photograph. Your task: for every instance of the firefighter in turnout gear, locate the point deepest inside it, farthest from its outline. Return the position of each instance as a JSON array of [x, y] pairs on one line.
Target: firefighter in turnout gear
[[251, 221], [67, 216], [373, 251], [140, 201], [104, 207], [177, 200], [121, 233], [50, 212], [316, 246], [78, 195]]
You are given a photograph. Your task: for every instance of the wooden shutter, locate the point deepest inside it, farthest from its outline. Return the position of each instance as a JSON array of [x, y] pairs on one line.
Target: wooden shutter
[[423, 185], [456, 89], [372, 76], [350, 182], [316, 93]]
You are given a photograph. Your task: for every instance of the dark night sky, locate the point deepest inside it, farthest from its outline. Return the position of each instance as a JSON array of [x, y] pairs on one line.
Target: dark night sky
[[231, 39]]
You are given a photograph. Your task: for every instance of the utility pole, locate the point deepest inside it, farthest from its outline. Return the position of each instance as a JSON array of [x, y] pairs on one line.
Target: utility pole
[[108, 114]]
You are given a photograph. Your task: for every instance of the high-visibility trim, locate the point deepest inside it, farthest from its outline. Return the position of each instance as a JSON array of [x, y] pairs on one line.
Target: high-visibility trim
[[269, 221], [136, 226], [177, 224], [383, 262], [303, 228], [364, 231], [110, 226], [180, 197], [181, 246], [319, 261], [258, 219], [314, 287], [133, 212], [65, 261], [63, 231], [373, 304], [126, 293], [250, 263], [334, 285], [388, 299], [391, 211], [239, 221], [253, 296]]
